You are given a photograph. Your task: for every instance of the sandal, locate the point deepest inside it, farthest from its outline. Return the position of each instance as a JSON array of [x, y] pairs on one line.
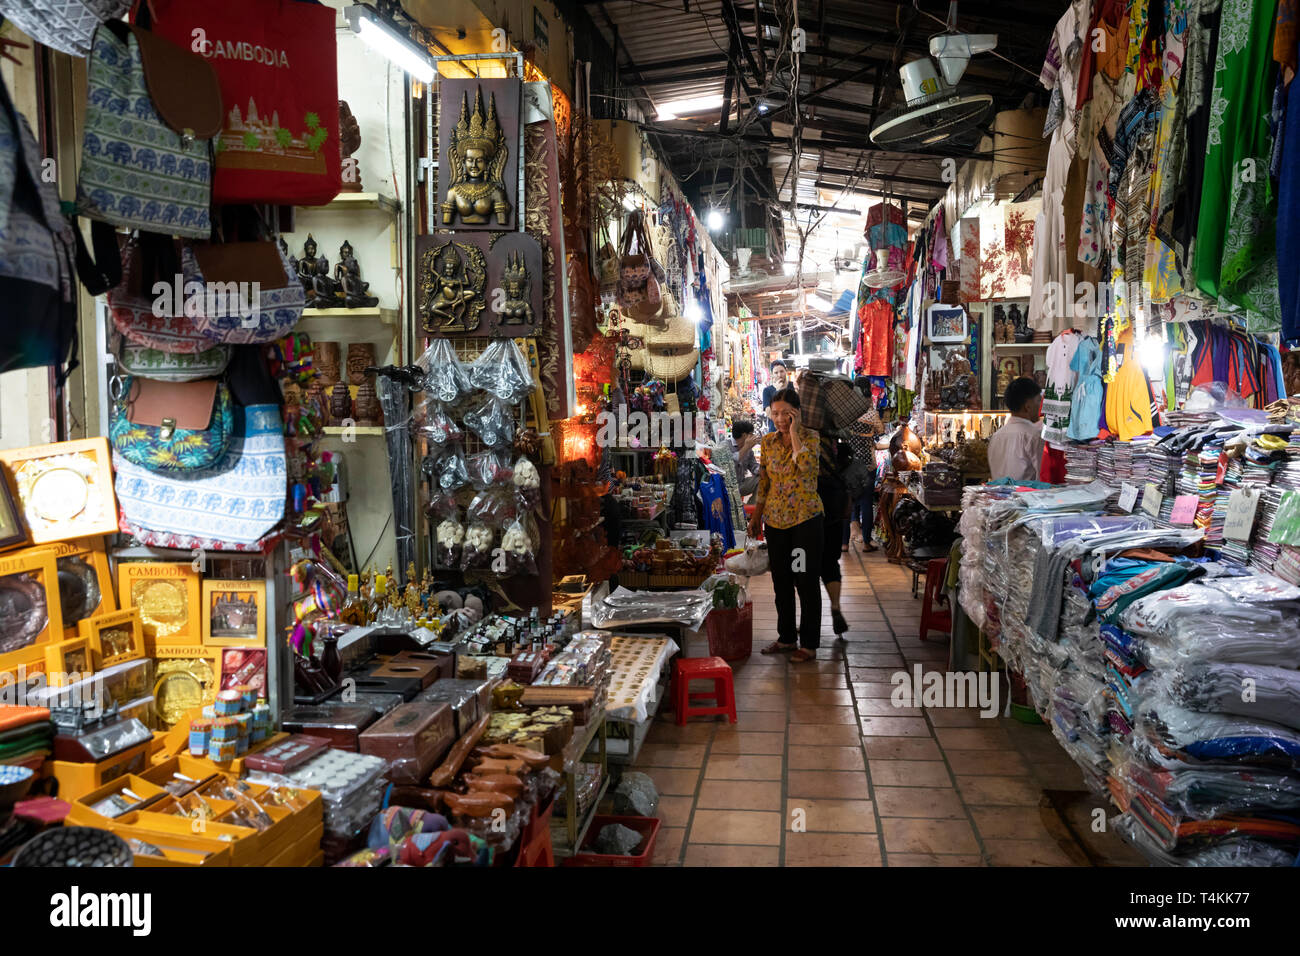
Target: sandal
[[801, 655], [838, 624], [776, 647]]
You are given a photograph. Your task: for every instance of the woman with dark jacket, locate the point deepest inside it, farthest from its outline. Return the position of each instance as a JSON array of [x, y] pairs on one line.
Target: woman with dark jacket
[[835, 456]]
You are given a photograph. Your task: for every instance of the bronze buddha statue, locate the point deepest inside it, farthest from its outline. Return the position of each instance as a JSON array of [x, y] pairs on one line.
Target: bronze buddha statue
[[347, 279], [314, 274], [477, 156]]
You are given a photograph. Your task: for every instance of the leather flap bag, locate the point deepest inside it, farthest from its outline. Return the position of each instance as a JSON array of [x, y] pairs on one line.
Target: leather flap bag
[[183, 86], [258, 262], [171, 405]]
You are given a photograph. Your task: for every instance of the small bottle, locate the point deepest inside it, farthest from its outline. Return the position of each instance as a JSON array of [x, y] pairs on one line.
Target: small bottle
[[379, 601], [353, 611]]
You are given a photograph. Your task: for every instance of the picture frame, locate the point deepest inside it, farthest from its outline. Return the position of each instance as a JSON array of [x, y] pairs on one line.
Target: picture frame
[[85, 582], [947, 323], [244, 665], [114, 637], [13, 529], [65, 659], [234, 613], [29, 587], [169, 598], [64, 490]]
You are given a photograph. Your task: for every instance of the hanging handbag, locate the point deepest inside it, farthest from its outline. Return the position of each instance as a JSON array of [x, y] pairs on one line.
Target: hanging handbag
[[276, 61], [234, 506], [171, 426], [251, 292], [142, 361], [64, 25], [147, 315], [38, 249], [151, 108]]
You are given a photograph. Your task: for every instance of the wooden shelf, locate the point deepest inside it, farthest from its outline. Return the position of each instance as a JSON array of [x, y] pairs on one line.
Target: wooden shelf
[[386, 316], [339, 430], [1022, 345], [350, 201]]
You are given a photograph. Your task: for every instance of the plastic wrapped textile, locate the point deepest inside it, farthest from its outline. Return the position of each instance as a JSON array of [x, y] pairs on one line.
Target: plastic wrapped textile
[[1205, 792], [625, 607], [1229, 852], [1057, 529], [1247, 690], [1211, 737], [1089, 497]]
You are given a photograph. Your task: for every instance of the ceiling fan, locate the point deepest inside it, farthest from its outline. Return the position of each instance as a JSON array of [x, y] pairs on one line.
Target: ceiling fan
[[937, 109]]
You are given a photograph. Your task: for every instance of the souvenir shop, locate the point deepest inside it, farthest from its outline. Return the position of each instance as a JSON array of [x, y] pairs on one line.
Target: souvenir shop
[[310, 562], [1142, 596]]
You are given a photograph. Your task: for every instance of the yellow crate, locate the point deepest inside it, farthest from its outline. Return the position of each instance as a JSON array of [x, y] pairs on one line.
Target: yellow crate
[[76, 779]]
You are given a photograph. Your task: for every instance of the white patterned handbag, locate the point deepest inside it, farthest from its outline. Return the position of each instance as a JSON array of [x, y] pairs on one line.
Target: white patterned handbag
[[65, 25]]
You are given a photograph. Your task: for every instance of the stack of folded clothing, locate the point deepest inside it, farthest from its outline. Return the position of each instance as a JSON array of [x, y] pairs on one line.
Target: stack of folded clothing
[[1081, 463], [26, 736]]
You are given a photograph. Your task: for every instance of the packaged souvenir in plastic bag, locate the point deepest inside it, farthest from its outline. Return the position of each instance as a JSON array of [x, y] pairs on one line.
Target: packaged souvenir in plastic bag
[[441, 505], [435, 424], [528, 482], [490, 469], [517, 543], [450, 539], [445, 378], [451, 471], [503, 371], [494, 507], [492, 420], [477, 552]]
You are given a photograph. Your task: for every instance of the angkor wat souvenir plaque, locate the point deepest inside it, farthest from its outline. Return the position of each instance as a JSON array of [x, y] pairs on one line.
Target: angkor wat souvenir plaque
[[452, 276], [514, 285], [478, 147]]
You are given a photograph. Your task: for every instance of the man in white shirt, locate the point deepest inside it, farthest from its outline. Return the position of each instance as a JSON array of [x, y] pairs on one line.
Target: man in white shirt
[[1016, 451]]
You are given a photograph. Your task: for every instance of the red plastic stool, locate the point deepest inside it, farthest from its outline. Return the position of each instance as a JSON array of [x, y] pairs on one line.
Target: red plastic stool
[[703, 668], [932, 616], [535, 847]]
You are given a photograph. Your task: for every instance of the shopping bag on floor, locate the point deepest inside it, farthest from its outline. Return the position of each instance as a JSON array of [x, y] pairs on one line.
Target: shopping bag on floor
[[752, 562]]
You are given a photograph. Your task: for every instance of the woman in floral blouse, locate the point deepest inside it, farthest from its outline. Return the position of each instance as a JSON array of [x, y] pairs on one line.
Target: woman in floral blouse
[[790, 511]]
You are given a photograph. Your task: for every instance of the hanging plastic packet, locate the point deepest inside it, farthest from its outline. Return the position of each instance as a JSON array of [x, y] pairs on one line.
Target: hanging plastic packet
[[503, 371], [441, 505], [477, 552], [450, 539], [494, 507], [489, 469], [445, 378], [518, 546], [492, 421], [435, 425], [451, 470], [528, 482]]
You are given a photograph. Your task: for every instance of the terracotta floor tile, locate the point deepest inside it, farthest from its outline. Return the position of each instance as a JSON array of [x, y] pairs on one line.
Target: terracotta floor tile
[[831, 849], [999, 791], [803, 757], [749, 742], [807, 714], [674, 782], [872, 691], [827, 815], [759, 685], [932, 859], [901, 748], [931, 803], [955, 717], [816, 680], [740, 795], [831, 784], [760, 702], [823, 735], [928, 836], [754, 828], [884, 707], [761, 721], [1053, 777], [675, 811], [1010, 823], [875, 660], [909, 773], [821, 697], [1027, 853], [873, 675], [672, 755], [987, 763], [895, 727], [665, 732], [743, 767], [668, 846], [731, 856], [964, 738]]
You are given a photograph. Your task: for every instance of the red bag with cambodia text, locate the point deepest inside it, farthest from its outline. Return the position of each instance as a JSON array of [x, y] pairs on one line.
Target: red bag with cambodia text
[[277, 63]]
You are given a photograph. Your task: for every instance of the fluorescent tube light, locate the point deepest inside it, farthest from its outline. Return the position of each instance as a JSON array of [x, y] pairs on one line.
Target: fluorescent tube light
[[383, 39]]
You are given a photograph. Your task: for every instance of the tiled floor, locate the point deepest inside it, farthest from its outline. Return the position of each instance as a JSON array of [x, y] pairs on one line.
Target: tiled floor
[[823, 770]]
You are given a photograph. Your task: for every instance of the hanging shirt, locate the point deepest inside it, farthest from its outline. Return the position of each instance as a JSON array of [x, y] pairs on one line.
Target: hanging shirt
[[717, 508], [1060, 387], [1016, 450], [1086, 399], [1128, 400]]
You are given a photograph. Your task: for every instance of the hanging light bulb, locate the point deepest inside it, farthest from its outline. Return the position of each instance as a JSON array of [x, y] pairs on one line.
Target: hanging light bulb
[[716, 220]]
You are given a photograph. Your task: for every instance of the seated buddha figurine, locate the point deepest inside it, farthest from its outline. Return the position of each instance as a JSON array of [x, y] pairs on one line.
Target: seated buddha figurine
[[347, 276], [314, 274], [477, 156]]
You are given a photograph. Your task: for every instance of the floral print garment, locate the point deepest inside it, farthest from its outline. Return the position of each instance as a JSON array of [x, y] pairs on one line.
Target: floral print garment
[[787, 484]]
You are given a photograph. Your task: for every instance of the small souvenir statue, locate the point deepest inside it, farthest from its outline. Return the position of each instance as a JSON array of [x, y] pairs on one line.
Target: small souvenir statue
[[347, 279], [340, 403], [349, 143], [314, 273], [477, 158], [517, 309], [369, 411]]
